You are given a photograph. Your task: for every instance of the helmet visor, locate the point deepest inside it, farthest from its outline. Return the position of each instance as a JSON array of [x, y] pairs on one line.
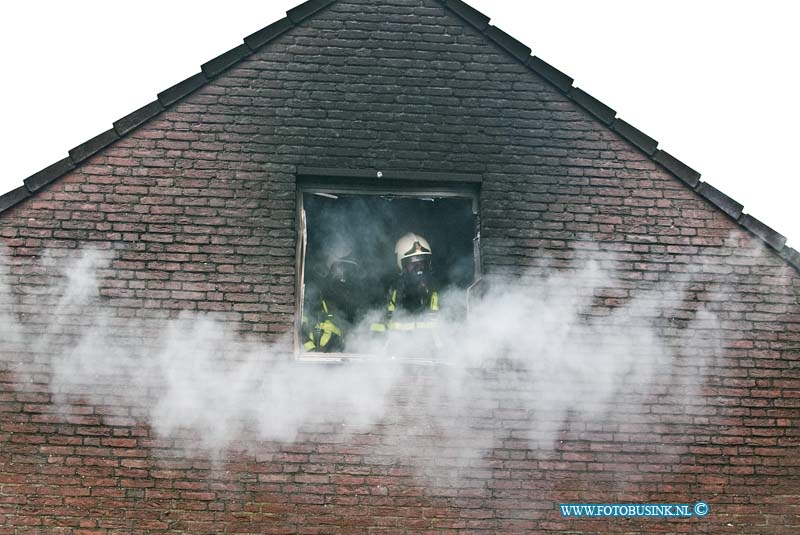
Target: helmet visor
[[416, 265], [345, 272]]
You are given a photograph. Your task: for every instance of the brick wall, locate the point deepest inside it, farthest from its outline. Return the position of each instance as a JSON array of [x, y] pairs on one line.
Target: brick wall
[[196, 211]]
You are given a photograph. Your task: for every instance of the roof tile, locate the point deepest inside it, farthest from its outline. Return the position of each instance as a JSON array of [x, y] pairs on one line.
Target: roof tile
[[88, 148], [37, 181], [469, 14], [677, 167], [306, 9], [511, 45], [13, 197], [720, 200], [791, 256], [223, 61], [772, 238], [593, 106], [265, 35], [644, 142], [550, 73], [181, 89], [140, 116]]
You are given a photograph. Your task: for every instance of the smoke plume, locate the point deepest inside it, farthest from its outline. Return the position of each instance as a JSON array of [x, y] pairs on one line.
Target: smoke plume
[[535, 351]]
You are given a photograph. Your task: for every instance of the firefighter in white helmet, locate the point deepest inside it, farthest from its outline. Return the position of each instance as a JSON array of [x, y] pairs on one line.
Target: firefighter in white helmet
[[413, 300]]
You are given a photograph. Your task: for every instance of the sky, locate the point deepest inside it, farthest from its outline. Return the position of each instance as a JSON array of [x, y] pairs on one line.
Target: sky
[[714, 82]]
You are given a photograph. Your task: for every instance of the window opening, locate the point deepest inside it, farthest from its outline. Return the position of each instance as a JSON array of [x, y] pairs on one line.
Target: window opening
[[380, 270]]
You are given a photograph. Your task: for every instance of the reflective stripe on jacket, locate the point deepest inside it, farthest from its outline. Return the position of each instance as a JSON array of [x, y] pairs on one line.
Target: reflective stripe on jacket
[[326, 329], [393, 325]]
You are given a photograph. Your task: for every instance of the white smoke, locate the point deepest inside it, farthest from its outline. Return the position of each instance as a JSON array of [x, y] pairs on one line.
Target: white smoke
[[533, 353]]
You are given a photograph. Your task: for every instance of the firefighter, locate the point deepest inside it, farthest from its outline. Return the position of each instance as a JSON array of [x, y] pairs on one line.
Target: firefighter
[[413, 301], [332, 308]]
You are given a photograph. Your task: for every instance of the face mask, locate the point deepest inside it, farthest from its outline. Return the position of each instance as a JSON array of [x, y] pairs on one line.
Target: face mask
[[416, 275], [344, 272], [344, 287]]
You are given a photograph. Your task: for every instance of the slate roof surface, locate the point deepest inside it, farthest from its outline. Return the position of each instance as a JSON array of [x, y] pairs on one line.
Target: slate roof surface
[[522, 53]]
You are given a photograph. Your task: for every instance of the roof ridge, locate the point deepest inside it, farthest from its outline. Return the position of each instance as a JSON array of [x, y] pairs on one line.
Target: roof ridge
[[608, 116], [522, 53]]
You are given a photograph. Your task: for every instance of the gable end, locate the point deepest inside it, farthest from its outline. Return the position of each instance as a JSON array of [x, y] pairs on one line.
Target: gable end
[[519, 51]]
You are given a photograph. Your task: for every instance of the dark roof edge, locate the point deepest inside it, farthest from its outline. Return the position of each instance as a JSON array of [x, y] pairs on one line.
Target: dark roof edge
[[771, 237], [88, 148], [301, 12], [170, 96], [13, 197], [791, 256], [605, 114], [225, 60]]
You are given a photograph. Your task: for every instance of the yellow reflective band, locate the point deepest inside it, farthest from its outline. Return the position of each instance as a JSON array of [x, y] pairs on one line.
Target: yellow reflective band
[[325, 306], [328, 330], [377, 327], [324, 339], [392, 301], [308, 346], [435, 301], [328, 326]]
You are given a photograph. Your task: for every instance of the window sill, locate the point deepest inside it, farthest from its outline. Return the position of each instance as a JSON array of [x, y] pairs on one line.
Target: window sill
[[341, 358]]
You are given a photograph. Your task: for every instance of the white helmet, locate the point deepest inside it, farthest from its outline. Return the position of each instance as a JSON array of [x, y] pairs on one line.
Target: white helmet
[[411, 245]]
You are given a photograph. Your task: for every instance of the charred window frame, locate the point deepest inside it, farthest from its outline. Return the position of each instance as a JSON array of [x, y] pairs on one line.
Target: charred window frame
[[455, 193]]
